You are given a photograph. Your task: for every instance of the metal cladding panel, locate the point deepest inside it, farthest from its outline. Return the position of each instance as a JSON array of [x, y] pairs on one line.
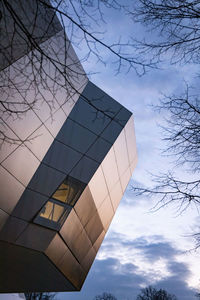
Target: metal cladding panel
[[69, 202], [26, 270], [14, 41]]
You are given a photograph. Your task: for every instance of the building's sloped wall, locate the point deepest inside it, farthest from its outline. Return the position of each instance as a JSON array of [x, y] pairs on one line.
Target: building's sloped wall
[[20, 21], [31, 134], [95, 149]]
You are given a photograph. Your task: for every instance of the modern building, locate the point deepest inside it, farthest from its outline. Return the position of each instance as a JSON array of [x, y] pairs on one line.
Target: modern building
[[64, 165]]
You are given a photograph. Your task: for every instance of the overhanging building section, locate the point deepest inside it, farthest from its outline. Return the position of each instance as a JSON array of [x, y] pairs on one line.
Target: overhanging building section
[[61, 186]]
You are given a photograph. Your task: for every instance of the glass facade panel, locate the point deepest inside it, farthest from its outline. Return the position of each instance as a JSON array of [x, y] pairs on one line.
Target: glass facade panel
[[8, 198], [85, 169], [70, 267], [101, 100], [111, 132], [39, 142], [99, 150], [46, 180], [20, 160], [85, 207], [106, 212], [3, 217], [94, 228], [88, 259], [29, 205], [61, 157], [125, 179], [98, 188], [130, 139], [110, 171], [123, 116], [76, 136], [121, 153], [56, 249], [36, 237], [86, 115], [116, 195]]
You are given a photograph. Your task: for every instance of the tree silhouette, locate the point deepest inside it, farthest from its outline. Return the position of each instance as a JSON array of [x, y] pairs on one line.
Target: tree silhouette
[[176, 36], [37, 62], [150, 293], [105, 296], [39, 296]]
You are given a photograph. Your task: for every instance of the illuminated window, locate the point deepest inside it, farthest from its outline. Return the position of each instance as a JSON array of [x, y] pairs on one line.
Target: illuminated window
[[53, 214], [56, 209], [69, 191]]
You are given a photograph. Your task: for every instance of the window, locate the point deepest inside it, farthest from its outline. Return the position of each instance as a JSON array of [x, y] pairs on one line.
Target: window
[[57, 208], [69, 191]]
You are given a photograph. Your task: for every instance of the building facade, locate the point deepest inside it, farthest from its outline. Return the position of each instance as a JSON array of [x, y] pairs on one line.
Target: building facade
[[63, 169]]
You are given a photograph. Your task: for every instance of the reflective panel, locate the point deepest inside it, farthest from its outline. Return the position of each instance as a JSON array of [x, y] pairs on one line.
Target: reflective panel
[[46, 180], [85, 169], [125, 179], [85, 207], [69, 191], [98, 188], [81, 246], [14, 42], [75, 236], [5, 147], [36, 237], [55, 122], [28, 205], [3, 217], [71, 228], [8, 198], [70, 267], [61, 157], [110, 171], [69, 103], [133, 164], [99, 149], [12, 229], [56, 249], [111, 132], [84, 114], [94, 228], [22, 164], [76, 136], [39, 142], [88, 259], [53, 214], [123, 116], [106, 212], [116, 195], [25, 126], [121, 153], [130, 139], [101, 100], [98, 242]]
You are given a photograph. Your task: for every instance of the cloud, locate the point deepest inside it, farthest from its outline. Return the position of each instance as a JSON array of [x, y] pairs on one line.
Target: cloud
[[125, 279]]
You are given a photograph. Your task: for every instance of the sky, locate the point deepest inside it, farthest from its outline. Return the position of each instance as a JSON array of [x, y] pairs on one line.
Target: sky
[[142, 247]]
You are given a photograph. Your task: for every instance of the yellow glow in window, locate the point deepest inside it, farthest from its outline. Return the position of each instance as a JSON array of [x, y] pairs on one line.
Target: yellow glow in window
[[52, 211]]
